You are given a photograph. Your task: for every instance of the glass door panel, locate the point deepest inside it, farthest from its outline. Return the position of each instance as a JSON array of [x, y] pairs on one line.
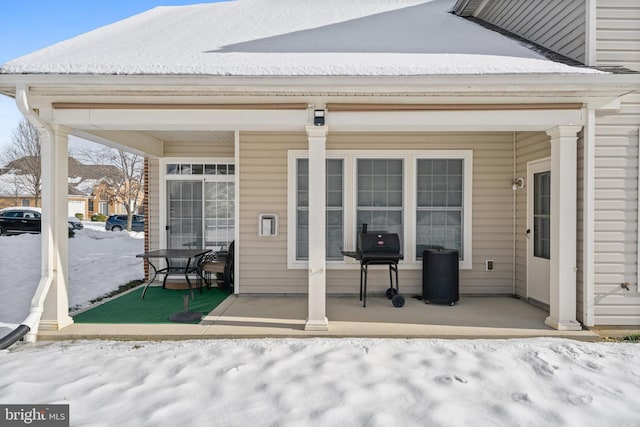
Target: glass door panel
[[542, 215], [219, 214], [185, 214]]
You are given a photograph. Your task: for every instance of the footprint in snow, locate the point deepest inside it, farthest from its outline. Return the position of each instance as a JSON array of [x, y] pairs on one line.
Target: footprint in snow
[[577, 399], [447, 379], [520, 397]]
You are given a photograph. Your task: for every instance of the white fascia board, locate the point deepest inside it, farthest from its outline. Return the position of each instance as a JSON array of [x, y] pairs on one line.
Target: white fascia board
[[529, 120], [163, 120], [583, 84]]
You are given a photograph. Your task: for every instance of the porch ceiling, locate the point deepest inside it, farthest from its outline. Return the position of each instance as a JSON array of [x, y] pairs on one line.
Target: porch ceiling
[[150, 143], [193, 136]]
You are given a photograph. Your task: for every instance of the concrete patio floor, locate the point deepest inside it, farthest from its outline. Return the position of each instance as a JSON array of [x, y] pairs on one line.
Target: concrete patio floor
[[284, 316]]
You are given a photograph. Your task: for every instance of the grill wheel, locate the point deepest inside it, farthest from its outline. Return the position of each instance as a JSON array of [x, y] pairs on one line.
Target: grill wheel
[[397, 301]]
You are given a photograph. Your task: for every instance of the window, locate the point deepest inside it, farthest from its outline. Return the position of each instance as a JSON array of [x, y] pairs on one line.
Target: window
[[422, 195], [104, 208], [334, 209], [25, 203], [439, 201], [379, 199], [542, 215], [200, 169]]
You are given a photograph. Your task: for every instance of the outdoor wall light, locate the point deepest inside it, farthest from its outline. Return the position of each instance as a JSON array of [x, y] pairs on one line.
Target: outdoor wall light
[[318, 117], [518, 184]]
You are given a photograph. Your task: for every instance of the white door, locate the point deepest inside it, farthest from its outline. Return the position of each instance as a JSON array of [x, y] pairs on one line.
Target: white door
[[538, 229]]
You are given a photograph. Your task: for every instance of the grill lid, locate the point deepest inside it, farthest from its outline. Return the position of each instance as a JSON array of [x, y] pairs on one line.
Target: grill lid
[[379, 243]]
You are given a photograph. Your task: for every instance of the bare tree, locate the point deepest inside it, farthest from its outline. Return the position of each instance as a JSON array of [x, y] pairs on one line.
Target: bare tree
[[22, 155], [125, 188]]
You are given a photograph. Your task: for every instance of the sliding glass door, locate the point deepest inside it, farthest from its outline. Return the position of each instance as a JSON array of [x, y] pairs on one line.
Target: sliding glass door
[[200, 205]]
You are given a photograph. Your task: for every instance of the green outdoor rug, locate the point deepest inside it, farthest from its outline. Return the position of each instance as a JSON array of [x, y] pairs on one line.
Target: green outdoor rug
[[157, 306]]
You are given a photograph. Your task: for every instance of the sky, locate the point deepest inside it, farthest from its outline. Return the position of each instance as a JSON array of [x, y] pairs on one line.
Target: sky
[[29, 25], [295, 382]]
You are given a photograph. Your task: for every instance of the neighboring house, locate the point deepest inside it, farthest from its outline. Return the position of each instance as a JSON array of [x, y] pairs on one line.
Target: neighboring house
[[88, 190], [97, 182], [507, 130], [16, 188]]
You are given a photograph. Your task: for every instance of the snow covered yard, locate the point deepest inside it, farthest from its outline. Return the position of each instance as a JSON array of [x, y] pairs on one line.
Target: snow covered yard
[[330, 382], [99, 262]]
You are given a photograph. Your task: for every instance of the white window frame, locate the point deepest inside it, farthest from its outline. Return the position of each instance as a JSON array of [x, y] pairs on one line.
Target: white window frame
[[410, 160], [466, 156], [292, 230], [164, 177]]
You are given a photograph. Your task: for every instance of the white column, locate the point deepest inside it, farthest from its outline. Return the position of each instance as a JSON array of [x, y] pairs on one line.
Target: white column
[[55, 232], [562, 300], [316, 316]]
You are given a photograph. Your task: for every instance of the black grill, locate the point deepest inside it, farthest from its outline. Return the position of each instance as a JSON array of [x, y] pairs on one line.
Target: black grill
[[378, 248]]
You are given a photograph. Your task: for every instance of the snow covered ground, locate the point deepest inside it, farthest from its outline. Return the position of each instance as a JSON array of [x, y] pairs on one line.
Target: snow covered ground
[[330, 382], [99, 262], [298, 382]]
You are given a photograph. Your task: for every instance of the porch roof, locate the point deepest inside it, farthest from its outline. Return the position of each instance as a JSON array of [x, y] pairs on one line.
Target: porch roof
[[293, 38]]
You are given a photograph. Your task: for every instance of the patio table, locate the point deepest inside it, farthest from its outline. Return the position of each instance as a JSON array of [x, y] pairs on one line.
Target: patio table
[[174, 254]]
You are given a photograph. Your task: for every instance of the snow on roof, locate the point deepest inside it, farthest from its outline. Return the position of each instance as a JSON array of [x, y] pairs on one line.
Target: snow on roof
[[292, 38]]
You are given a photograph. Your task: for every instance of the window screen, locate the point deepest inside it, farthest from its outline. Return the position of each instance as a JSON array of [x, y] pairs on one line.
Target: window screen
[[440, 199], [334, 209]]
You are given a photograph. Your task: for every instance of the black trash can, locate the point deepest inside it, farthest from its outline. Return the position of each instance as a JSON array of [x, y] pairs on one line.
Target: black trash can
[[440, 278]]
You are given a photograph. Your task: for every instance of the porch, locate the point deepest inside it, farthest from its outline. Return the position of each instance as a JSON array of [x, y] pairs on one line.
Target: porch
[[488, 219], [250, 316]]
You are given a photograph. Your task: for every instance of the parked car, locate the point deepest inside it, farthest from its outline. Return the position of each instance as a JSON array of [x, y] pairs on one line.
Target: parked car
[[20, 220], [75, 223], [119, 223]]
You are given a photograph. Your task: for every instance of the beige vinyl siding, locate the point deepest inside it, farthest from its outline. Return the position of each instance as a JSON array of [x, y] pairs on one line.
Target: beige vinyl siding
[[616, 172], [199, 149], [618, 33], [263, 188], [616, 215], [558, 25], [530, 146], [466, 7]]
